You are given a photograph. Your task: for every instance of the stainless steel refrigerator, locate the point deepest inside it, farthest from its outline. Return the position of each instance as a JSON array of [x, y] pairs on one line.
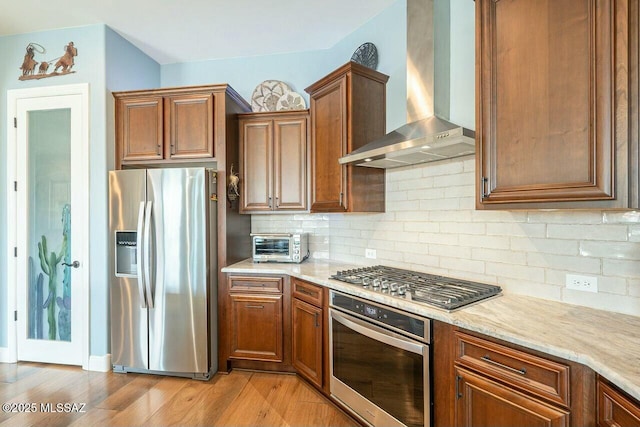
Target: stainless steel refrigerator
[[163, 272]]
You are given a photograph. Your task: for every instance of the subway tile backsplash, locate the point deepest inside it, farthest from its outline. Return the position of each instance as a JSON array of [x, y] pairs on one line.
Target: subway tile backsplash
[[431, 225]]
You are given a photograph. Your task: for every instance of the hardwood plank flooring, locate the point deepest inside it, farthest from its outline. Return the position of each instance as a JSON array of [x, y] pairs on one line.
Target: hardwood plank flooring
[[241, 398]]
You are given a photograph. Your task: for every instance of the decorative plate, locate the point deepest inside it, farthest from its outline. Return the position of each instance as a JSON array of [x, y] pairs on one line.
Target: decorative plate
[[291, 101], [366, 55], [266, 95]]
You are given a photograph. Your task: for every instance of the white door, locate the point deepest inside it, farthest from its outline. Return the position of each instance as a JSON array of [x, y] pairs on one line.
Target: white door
[[51, 200]]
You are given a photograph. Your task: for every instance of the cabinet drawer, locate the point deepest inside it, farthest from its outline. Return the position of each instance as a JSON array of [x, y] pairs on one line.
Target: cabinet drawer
[[308, 292], [255, 284], [541, 377]]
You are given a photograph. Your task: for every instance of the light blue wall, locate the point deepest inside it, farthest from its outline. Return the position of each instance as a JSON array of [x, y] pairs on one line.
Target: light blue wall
[[299, 70]]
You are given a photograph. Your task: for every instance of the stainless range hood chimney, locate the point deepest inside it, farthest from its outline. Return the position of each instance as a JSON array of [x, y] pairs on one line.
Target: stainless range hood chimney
[[428, 136]]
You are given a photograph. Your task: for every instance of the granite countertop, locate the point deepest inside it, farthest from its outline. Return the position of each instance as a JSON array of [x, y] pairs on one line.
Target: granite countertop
[[607, 342]]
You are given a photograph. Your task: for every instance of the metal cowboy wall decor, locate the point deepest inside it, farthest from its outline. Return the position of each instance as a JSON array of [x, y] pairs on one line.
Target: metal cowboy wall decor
[[63, 63]]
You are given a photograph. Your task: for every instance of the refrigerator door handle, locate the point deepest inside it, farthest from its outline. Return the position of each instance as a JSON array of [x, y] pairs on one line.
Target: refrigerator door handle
[[147, 252], [140, 255]]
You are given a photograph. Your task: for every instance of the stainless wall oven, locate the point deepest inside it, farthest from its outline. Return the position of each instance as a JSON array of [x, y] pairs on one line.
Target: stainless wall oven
[[379, 361]]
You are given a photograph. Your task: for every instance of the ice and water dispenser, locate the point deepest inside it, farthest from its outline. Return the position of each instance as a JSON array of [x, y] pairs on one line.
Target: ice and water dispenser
[[126, 253]]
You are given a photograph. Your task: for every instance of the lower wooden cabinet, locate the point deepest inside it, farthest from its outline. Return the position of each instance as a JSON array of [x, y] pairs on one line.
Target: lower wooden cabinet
[[616, 408], [255, 323], [256, 328], [307, 340], [481, 402], [482, 381]]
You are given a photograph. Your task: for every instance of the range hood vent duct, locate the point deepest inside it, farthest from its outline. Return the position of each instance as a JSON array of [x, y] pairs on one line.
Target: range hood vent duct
[[427, 137]]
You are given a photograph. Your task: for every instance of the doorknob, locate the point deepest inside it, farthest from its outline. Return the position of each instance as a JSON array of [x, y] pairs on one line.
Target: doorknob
[[74, 264]]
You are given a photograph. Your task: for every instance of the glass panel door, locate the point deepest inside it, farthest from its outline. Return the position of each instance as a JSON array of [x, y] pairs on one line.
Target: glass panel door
[[51, 205], [49, 225]]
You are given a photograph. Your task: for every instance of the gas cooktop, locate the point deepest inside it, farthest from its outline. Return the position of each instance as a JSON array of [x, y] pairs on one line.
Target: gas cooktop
[[437, 291]]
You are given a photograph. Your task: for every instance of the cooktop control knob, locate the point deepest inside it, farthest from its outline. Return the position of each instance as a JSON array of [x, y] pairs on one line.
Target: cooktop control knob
[[376, 283]]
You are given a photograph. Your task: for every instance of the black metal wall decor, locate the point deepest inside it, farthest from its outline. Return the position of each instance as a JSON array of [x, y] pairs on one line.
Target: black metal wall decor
[[62, 64]]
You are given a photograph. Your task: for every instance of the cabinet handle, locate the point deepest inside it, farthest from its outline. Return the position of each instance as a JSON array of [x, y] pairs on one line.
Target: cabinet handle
[[341, 196], [173, 149], [159, 149], [255, 306], [522, 371], [306, 292], [270, 201], [317, 324], [277, 202], [484, 183], [458, 394]]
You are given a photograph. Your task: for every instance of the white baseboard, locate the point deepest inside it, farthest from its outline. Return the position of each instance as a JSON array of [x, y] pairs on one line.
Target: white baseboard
[[7, 356], [100, 363]]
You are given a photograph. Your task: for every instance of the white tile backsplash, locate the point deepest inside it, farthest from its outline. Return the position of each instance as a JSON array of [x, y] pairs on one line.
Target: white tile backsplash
[[431, 225]]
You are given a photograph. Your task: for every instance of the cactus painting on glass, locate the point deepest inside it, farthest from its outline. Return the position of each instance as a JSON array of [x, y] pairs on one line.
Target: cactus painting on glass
[[64, 303], [49, 264]]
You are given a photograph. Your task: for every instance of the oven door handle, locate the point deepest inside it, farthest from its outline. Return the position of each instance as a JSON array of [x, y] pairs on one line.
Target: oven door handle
[[377, 333]]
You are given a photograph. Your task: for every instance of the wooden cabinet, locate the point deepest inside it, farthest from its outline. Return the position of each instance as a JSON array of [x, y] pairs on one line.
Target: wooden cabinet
[[308, 331], [526, 390], [480, 381], [256, 327], [557, 104], [615, 408], [255, 323], [348, 110], [185, 124], [485, 403], [273, 161]]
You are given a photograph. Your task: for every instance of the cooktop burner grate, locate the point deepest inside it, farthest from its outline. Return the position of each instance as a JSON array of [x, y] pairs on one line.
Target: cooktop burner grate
[[438, 291]]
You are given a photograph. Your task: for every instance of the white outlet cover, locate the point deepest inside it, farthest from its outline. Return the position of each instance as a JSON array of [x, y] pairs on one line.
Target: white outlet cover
[[582, 283], [370, 253]]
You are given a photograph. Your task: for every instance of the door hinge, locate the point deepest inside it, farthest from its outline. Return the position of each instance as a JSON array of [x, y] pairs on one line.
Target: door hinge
[[15, 185], [15, 315], [15, 122], [15, 251]]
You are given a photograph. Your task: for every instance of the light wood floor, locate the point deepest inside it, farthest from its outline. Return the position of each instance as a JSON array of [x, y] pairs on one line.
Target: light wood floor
[[240, 398]]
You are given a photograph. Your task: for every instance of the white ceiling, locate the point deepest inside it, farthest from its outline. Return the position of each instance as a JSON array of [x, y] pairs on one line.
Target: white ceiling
[[171, 31]]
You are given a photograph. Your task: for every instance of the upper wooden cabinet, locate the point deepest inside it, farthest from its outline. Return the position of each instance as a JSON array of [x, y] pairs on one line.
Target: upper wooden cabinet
[[348, 110], [174, 124], [557, 103], [273, 161]]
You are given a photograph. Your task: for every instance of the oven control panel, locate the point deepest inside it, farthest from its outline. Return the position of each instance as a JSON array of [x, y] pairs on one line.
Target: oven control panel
[[404, 322]]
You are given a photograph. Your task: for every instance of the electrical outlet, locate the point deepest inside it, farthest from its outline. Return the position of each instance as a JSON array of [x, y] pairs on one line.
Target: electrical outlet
[[370, 253], [582, 283]]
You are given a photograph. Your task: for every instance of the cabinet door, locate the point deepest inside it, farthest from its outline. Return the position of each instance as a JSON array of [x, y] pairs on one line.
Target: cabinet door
[[328, 144], [190, 126], [545, 110], [140, 128], [256, 142], [256, 327], [615, 409], [483, 403], [290, 164], [307, 340]]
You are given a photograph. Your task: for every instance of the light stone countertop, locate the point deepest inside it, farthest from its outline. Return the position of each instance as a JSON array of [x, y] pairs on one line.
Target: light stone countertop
[[607, 342]]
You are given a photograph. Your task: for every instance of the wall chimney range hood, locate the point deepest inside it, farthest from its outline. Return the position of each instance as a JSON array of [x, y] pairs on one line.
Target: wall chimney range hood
[[428, 136], [425, 140]]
